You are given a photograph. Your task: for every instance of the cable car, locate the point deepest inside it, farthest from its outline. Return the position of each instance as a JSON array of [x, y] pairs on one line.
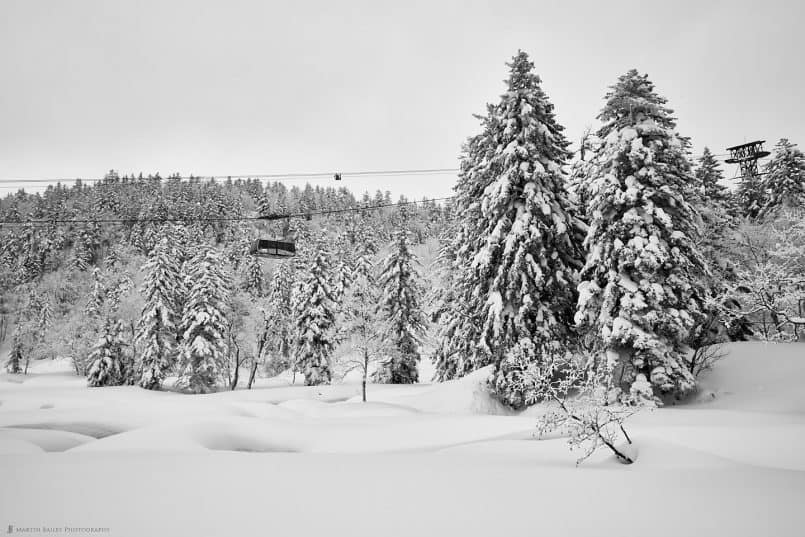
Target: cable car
[[273, 249]]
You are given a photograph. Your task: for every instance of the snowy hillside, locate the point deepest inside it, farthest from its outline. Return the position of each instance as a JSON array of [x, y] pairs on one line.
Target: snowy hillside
[[250, 462]]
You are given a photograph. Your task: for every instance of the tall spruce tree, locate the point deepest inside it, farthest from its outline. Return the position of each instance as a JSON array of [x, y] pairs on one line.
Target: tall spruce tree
[[784, 182], [252, 276], [203, 326], [107, 359], [708, 176], [402, 312], [45, 320], [641, 292], [716, 206], [713, 202], [94, 305], [455, 352], [314, 313], [280, 314], [515, 266], [157, 328]]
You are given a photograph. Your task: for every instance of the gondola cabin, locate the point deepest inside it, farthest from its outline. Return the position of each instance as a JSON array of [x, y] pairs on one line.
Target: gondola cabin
[[273, 249]]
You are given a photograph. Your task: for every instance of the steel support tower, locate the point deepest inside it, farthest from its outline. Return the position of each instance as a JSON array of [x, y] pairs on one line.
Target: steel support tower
[[746, 157]]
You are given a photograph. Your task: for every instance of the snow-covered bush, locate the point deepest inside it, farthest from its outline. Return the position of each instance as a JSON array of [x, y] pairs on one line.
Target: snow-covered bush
[[364, 343], [587, 405], [768, 286]]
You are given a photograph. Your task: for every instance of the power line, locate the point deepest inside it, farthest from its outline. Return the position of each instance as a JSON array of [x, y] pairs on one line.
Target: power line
[[742, 177], [293, 176], [271, 217], [287, 176]]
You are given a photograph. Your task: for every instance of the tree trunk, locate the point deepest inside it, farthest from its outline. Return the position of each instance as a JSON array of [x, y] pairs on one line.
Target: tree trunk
[[252, 374], [261, 343], [365, 373], [236, 375]]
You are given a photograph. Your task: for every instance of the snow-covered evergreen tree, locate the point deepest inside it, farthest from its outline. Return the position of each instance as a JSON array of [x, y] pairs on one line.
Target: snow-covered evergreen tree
[[749, 197], [641, 292], [708, 176], [183, 241], [314, 314], [203, 326], [112, 260], [784, 182], [45, 320], [252, 276], [455, 349], [15, 358], [94, 303], [342, 269], [716, 206], [279, 315], [117, 289], [107, 358], [713, 203], [402, 311], [516, 262], [580, 168], [156, 332], [84, 247]]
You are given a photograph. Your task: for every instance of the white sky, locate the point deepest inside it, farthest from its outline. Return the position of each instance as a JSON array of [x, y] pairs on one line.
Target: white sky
[[235, 87]]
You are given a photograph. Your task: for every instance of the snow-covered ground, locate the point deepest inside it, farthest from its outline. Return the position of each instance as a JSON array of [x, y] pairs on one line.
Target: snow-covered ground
[[415, 460]]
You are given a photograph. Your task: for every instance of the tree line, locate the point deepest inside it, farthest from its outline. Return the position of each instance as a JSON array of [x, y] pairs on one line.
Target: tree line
[[627, 259]]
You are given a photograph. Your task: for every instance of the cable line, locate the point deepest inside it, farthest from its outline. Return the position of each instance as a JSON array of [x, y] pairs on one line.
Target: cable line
[[268, 217], [288, 176], [293, 176]]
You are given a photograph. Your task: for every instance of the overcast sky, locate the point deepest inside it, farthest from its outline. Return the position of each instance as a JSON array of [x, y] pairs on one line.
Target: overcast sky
[[237, 87]]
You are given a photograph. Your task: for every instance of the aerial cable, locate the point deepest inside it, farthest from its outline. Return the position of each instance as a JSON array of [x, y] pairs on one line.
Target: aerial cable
[[287, 176], [293, 176], [190, 220]]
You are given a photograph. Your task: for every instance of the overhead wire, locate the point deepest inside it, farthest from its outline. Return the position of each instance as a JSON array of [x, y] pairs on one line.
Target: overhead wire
[[15, 183], [284, 176], [187, 220]]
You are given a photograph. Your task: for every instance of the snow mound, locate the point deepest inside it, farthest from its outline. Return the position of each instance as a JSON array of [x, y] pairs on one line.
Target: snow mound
[[15, 446], [230, 434], [467, 395], [46, 440], [349, 409], [774, 446], [757, 376]]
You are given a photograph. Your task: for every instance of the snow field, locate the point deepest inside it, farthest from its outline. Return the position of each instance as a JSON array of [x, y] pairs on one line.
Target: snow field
[[415, 460]]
